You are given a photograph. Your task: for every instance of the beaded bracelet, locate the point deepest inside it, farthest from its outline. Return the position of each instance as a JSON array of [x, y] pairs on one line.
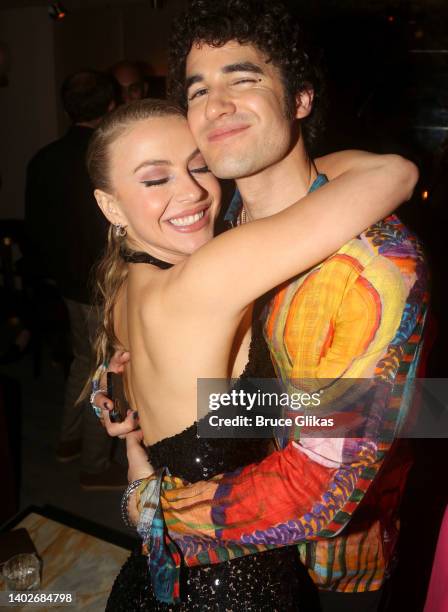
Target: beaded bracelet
[[96, 388], [96, 409], [125, 501]]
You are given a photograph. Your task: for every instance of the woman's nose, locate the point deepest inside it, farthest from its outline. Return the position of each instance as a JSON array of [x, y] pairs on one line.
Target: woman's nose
[[189, 190]]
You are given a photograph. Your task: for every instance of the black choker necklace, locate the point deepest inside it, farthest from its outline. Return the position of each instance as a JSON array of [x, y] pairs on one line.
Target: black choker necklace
[[142, 257]]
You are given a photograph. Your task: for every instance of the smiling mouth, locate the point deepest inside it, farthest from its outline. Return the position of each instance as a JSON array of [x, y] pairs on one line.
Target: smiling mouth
[[223, 133], [187, 221]]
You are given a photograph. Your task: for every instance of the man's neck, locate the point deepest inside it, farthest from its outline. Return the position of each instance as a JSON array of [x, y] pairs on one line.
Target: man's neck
[[279, 185]]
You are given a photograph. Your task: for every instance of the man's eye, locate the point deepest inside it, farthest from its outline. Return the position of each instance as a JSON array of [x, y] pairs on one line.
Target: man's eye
[[155, 182], [201, 170], [197, 94], [245, 80]]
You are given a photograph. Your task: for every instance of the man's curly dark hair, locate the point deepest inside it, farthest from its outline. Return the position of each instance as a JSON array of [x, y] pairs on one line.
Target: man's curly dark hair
[[265, 24]]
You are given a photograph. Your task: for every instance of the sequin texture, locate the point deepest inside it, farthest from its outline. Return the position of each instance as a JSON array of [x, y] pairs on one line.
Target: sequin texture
[[266, 581]]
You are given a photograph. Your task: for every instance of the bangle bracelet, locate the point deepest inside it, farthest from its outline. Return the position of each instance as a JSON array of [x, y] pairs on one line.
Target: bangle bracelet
[[125, 501], [96, 409]]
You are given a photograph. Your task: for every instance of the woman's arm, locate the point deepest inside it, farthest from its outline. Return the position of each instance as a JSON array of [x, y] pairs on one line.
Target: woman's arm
[[138, 467], [138, 462], [335, 164], [238, 266]]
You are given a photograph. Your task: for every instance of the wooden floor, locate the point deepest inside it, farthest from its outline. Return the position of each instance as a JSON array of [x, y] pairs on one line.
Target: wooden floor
[[74, 561]]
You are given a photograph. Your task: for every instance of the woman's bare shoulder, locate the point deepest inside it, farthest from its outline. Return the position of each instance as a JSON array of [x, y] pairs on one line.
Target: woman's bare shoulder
[[151, 289]]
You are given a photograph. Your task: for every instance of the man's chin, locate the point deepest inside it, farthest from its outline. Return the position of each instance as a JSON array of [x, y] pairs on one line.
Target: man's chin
[[231, 168]]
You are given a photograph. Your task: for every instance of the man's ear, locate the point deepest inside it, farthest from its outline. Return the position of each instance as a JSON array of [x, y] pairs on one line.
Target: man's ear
[[304, 102], [110, 207]]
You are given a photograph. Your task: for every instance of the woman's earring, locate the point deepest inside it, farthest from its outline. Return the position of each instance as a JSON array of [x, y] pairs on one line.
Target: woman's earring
[[120, 231]]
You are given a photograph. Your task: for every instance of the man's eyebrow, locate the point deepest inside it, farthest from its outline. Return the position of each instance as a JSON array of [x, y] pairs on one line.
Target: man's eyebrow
[[195, 78], [153, 162], [229, 68], [242, 67]]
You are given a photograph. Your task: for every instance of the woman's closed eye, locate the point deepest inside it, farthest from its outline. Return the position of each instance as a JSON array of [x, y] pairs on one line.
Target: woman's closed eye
[[155, 182], [200, 170]]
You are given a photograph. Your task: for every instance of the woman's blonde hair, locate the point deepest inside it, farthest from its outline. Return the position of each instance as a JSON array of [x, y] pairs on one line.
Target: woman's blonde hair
[[111, 271]]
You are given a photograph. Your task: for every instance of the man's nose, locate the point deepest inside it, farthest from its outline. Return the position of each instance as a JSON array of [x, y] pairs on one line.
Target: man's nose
[[219, 103]]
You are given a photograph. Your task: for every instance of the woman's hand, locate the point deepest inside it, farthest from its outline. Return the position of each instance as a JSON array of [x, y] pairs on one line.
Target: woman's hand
[[130, 423], [116, 365], [120, 430]]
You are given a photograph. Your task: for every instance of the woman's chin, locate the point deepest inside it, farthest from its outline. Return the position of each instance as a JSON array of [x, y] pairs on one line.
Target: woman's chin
[[196, 244], [191, 242]]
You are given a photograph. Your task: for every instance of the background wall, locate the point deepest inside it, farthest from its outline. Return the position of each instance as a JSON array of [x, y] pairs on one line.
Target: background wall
[[97, 33], [92, 39], [44, 52], [28, 103]]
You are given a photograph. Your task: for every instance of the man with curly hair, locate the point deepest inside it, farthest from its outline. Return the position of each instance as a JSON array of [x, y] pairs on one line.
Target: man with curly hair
[[252, 94]]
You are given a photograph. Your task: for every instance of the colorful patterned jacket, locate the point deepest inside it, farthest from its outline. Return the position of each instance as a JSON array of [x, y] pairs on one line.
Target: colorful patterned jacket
[[357, 315]]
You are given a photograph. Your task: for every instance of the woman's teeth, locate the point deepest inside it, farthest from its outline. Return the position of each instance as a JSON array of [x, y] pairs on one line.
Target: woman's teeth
[[185, 221]]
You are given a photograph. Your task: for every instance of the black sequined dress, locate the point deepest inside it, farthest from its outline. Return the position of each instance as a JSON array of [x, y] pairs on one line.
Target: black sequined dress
[[268, 581]]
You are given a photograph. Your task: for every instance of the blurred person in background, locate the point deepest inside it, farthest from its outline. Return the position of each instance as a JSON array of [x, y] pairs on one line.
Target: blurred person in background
[[131, 81], [62, 217]]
